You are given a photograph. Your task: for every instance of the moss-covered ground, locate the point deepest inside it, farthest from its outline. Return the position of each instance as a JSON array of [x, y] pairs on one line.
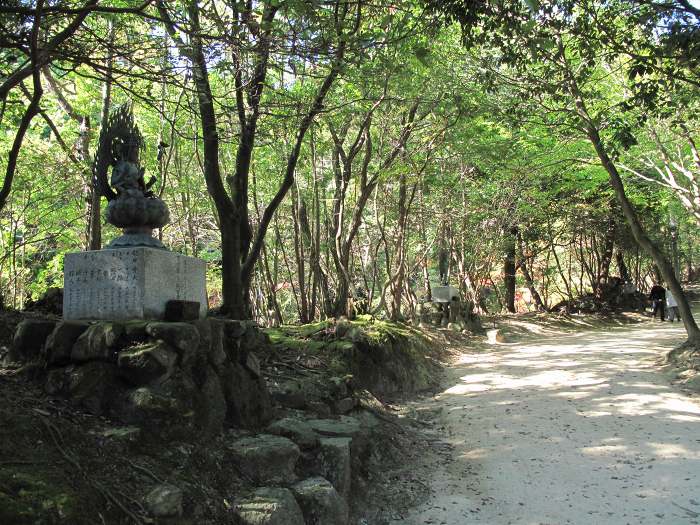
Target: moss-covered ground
[[382, 356]]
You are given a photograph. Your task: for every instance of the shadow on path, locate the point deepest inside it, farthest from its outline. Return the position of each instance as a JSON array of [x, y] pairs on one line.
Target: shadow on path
[[580, 428]]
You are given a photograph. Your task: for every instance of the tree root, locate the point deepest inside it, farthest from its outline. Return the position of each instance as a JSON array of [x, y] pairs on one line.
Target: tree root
[[57, 439]]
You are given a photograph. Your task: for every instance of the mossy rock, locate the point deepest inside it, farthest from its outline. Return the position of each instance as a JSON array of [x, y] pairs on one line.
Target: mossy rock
[[383, 356]]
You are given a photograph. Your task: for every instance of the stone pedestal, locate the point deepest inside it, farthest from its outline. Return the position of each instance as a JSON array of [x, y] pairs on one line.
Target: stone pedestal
[[130, 283]]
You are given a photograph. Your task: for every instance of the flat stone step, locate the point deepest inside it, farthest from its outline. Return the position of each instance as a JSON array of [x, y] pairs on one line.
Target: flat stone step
[[268, 506], [266, 458]]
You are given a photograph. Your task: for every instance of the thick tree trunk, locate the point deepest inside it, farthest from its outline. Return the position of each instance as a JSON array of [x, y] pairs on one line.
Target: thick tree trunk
[[229, 218]]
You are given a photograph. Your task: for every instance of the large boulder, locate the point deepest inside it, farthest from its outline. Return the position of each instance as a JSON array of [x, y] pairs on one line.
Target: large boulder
[[151, 363], [100, 342], [288, 394], [216, 355], [58, 346], [135, 332], [92, 385], [344, 405], [57, 381], [266, 458], [268, 506], [50, 302], [320, 502], [183, 337], [344, 426], [29, 339]]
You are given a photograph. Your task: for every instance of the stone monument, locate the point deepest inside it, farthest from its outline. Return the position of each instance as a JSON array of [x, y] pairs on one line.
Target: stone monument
[[134, 276]]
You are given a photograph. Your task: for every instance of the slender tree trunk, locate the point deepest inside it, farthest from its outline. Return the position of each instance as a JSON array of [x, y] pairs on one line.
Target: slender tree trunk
[[622, 267], [640, 236], [509, 268], [553, 251], [400, 248], [528, 277], [299, 254], [29, 113], [608, 246], [95, 218], [628, 211]]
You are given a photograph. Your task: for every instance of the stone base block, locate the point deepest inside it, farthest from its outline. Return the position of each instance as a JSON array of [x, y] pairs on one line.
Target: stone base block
[[130, 283]]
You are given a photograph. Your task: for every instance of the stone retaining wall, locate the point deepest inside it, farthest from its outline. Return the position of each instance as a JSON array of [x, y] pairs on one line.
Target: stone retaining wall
[[172, 378]]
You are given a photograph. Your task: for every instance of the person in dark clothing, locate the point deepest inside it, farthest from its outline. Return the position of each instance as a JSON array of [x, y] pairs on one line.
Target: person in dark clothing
[[658, 300]]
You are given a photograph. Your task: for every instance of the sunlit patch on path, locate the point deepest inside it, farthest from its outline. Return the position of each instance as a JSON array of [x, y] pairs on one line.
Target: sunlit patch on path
[[580, 428]]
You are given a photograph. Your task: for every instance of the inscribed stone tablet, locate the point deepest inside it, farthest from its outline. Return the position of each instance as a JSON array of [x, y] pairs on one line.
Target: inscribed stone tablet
[[130, 283]]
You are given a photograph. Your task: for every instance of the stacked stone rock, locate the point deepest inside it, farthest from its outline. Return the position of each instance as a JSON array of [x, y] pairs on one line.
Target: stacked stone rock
[[183, 380], [173, 378], [324, 451]]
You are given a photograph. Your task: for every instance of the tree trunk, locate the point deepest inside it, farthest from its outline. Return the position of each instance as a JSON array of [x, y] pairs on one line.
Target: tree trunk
[[528, 277], [229, 218], [608, 246], [628, 211], [300, 238], [29, 113], [622, 267], [664, 266], [509, 269], [401, 249], [95, 219]]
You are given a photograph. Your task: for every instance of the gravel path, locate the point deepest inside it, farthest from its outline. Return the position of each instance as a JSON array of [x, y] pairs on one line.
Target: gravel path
[[570, 429]]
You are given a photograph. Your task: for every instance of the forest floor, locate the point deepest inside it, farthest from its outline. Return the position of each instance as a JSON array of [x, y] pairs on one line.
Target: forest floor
[[562, 426]]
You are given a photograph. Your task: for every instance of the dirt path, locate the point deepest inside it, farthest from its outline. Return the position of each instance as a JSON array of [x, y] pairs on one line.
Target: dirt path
[[579, 429]]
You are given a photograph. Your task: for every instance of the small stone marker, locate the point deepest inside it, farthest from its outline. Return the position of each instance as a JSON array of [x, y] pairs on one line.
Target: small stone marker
[[130, 283]]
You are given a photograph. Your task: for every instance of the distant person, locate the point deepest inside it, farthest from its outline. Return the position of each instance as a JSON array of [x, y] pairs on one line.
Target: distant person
[[672, 305], [657, 295]]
